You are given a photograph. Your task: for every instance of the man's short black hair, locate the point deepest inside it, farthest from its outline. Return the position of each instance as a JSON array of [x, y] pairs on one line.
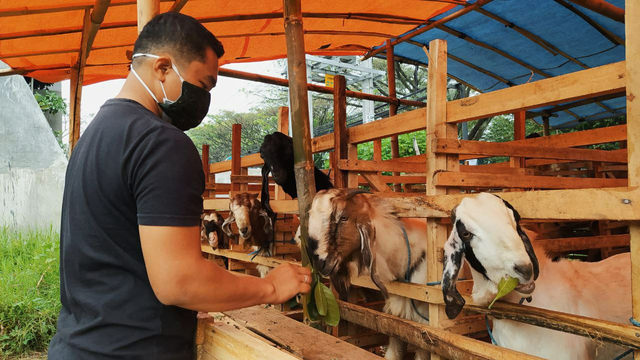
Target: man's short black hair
[[177, 34]]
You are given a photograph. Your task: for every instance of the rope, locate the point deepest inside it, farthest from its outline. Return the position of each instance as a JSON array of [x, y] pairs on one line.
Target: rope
[[493, 340]]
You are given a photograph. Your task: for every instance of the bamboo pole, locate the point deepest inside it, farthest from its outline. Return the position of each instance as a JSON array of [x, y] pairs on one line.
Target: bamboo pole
[[236, 154], [178, 5], [603, 8], [546, 130], [434, 24], [97, 17], [632, 31], [299, 102], [393, 108], [147, 10], [340, 133], [615, 39]]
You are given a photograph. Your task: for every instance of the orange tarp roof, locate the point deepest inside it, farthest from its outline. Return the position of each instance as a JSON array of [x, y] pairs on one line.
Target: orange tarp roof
[[43, 36]]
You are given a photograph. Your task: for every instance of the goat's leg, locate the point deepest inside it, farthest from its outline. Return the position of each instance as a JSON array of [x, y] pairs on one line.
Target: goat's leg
[[422, 354], [396, 349]]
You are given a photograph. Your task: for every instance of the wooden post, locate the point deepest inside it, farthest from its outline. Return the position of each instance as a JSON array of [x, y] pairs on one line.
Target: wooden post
[[283, 127], [437, 128], [393, 106], [632, 31], [236, 154], [77, 78], [298, 98], [147, 10], [546, 131], [206, 169], [519, 129], [341, 135]]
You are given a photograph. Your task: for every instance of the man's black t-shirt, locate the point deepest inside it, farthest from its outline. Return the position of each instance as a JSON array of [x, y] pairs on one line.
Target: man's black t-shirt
[[129, 168]]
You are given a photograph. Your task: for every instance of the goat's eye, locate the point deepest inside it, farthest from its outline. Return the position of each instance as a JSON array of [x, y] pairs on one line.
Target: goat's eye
[[466, 235], [344, 218]]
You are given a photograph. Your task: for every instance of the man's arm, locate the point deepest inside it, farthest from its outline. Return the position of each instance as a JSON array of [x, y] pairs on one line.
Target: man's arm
[[180, 276]]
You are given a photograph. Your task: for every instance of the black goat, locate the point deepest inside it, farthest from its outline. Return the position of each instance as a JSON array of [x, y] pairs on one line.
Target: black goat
[[277, 153]]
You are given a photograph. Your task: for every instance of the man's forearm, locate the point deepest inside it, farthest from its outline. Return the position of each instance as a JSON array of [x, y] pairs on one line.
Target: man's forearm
[[212, 288]]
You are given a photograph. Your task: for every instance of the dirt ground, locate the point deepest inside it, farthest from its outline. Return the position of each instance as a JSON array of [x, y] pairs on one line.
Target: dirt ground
[[33, 356]]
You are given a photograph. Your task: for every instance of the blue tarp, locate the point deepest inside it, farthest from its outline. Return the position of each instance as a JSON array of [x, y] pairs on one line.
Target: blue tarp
[[546, 19]]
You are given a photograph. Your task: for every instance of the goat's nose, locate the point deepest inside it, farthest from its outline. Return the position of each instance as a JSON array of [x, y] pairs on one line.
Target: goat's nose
[[244, 230], [526, 271]]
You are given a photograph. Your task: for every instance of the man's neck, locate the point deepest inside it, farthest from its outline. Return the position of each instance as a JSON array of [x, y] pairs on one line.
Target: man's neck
[[133, 90]]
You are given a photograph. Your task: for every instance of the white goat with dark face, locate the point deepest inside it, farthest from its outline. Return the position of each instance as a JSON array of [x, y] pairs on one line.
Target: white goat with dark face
[[487, 234], [351, 232]]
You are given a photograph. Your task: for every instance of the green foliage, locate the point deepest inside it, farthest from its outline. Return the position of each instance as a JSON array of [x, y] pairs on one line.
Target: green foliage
[[29, 290], [322, 304], [505, 286], [216, 131], [50, 102]]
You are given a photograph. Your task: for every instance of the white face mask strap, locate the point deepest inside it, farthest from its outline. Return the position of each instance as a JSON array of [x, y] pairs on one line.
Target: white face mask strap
[[143, 84], [166, 99]]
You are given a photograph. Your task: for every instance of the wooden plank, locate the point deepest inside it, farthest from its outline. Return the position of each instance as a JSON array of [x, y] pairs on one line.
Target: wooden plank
[[376, 181], [252, 160], [584, 243], [632, 73], [540, 162], [226, 339], [625, 335], [436, 340], [248, 179], [483, 169], [370, 165], [450, 146], [580, 138], [298, 338], [579, 85], [501, 181], [585, 204]]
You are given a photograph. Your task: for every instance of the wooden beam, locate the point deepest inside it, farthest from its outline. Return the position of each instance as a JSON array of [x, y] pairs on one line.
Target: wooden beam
[[500, 181], [299, 339], [9, 72], [376, 181], [236, 151], [603, 8], [632, 73], [178, 5], [147, 10], [615, 39], [236, 74], [340, 133], [583, 84], [437, 341], [470, 147], [370, 165], [97, 17], [424, 29], [583, 243], [393, 108], [77, 79]]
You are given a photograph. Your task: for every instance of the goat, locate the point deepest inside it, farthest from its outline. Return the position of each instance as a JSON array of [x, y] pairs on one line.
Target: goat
[[254, 225], [487, 234], [211, 230], [351, 233], [277, 152]]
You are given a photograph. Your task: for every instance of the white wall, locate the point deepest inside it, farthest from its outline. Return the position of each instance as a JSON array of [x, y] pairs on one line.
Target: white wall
[[32, 165]]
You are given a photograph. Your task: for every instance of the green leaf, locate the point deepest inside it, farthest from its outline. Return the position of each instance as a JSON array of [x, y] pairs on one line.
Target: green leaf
[[332, 317], [321, 300], [312, 309], [507, 284]]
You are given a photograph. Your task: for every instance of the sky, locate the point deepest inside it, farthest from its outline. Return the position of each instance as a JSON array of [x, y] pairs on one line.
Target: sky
[[227, 95]]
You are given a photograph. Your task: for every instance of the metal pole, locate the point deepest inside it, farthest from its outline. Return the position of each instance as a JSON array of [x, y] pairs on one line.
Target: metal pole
[[298, 97]]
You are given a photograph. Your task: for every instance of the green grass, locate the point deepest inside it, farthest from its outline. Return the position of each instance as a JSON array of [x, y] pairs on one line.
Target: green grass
[[29, 290]]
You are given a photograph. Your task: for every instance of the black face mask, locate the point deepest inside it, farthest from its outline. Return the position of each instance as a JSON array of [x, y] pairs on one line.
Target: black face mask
[[189, 109]]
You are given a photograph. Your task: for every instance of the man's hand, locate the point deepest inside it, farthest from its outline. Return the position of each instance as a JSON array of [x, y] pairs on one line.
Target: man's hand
[[288, 280]]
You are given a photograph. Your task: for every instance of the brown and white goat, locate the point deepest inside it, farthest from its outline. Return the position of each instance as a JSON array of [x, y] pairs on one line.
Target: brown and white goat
[[254, 225], [351, 232]]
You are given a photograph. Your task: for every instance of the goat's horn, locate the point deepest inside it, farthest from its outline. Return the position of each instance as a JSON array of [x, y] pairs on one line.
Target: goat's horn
[[226, 227], [353, 192]]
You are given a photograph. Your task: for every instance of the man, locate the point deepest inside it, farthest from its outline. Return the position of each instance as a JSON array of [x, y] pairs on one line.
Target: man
[[131, 273]]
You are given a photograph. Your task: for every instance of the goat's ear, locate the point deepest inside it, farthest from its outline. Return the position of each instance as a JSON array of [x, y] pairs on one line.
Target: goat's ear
[[353, 192], [453, 253], [268, 225], [525, 240], [367, 242]]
